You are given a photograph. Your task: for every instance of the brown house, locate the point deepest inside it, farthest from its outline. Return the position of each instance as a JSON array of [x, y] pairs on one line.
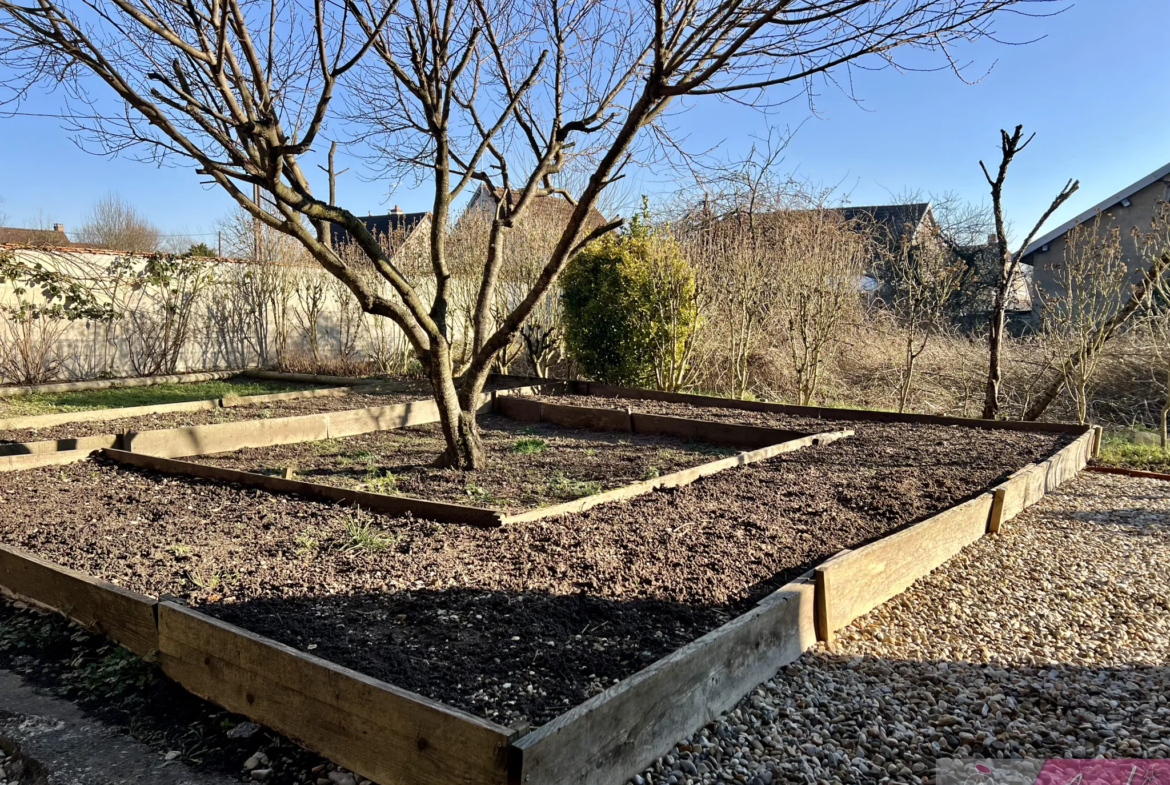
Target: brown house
[[35, 238], [1132, 206]]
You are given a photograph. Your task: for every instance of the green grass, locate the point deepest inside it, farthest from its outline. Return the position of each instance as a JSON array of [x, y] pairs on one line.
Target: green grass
[[378, 481], [1119, 451], [361, 535], [528, 445], [564, 487], [121, 397]]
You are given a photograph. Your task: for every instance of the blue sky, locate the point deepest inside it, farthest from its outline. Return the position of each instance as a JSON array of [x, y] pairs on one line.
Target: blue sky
[[1092, 89]]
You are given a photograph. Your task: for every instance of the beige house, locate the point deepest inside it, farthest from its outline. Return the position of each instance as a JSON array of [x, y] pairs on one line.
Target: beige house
[[1130, 207]]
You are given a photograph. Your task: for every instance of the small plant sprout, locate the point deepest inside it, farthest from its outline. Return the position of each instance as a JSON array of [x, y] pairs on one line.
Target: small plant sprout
[[650, 473], [528, 445], [381, 481], [307, 544], [478, 493], [361, 535]]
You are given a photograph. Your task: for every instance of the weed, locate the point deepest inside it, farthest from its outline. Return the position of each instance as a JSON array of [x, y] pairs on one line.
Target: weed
[[179, 551], [381, 481], [528, 446], [357, 456], [307, 544], [590, 452], [478, 493], [327, 446], [564, 487], [651, 473], [361, 535]]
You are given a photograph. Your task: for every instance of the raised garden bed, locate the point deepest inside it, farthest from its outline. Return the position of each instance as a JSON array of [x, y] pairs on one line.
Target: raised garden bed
[[520, 622]]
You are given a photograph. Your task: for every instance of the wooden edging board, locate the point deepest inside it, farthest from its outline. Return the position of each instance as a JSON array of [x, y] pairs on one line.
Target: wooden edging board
[[677, 479], [18, 463], [390, 735], [60, 445], [103, 384], [854, 583], [818, 412], [1128, 472], [375, 502], [616, 734], [126, 617]]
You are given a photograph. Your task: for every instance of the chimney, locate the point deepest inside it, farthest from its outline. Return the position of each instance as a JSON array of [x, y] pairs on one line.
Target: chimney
[[397, 210], [59, 228], [992, 238]]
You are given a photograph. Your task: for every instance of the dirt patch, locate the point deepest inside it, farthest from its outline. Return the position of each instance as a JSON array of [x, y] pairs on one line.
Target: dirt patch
[[520, 622], [154, 422], [529, 466]]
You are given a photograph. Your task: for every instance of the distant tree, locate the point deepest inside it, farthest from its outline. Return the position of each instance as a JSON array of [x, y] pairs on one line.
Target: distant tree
[[200, 250], [114, 223], [631, 309], [1007, 263]]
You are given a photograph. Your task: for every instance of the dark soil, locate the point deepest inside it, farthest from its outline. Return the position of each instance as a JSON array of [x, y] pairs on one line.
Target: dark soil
[[528, 465], [520, 622], [153, 422]]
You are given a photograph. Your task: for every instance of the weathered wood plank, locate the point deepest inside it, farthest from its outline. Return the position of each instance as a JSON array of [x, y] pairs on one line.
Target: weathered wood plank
[[308, 378], [104, 415], [857, 582], [585, 417], [390, 735], [103, 384], [744, 436], [381, 418], [233, 401], [60, 445], [1128, 472], [124, 616], [228, 436], [675, 479], [1030, 484], [17, 463], [819, 412], [374, 502], [616, 734], [519, 409]]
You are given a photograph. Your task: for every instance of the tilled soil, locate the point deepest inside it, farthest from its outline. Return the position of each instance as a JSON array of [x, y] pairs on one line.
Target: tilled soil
[[516, 623], [153, 422], [528, 466]]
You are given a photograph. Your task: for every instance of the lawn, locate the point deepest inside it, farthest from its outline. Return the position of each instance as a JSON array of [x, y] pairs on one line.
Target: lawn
[[121, 397], [1121, 451]]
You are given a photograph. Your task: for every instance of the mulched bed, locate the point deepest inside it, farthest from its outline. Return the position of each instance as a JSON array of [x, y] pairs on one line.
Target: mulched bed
[[516, 623], [528, 465], [153, 422]]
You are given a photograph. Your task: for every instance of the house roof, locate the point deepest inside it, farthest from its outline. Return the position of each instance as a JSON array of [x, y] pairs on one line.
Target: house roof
[[892, 218], [34, 237], [383, 225], [548, 206], [1102, 206]]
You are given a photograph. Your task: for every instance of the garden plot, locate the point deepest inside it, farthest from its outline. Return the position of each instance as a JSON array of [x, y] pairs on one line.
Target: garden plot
[[528, 465], [515, 624]]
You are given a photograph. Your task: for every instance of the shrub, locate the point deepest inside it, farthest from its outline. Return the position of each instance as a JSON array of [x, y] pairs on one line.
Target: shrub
[[631, 309]]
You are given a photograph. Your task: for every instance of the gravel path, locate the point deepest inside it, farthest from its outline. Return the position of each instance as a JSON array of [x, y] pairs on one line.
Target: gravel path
[[1048, 640]]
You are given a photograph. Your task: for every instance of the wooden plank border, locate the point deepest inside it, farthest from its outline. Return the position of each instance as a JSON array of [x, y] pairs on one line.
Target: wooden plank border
[[60, 445], [818, 412], [375, 502], [852, 584], [616, 734], [1128, 472], [104, 384], [126, 617], [388, 734], [18, 463], [676, 479]]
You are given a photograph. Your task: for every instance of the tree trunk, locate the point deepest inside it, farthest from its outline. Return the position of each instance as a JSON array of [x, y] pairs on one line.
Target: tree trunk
[[457, 417], [994, 346]]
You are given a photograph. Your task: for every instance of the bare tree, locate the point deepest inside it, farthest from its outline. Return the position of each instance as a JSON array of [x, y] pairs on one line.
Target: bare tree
[[1008, 266], [458, 92], [922, 277], [114, 223], [1154, 249]]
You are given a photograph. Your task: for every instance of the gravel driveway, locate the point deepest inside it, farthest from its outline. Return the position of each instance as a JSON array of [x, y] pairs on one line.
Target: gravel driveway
[[1048, 640]]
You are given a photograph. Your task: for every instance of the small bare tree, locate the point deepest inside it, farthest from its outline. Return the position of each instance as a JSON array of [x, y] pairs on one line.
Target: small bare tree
[[1008, 267], [922, 276], [114, 223], [1090, 280], [1154, 249], [456, 92]]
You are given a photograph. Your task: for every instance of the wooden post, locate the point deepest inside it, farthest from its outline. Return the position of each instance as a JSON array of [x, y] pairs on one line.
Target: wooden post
[[1096, 441], [824, 630], [996, 518]]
